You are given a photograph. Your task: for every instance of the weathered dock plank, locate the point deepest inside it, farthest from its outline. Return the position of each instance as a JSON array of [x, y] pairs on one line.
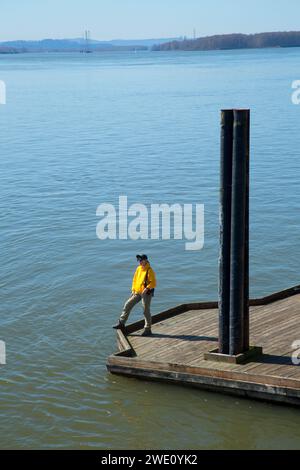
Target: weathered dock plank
[[181, 337]]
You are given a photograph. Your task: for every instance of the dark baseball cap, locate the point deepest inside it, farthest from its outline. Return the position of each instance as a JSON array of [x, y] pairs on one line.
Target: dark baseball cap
[[142, 257]]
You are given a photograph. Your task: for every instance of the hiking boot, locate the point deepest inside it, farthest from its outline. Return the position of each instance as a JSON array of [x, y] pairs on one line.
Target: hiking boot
[[147, 332], [120, 326]]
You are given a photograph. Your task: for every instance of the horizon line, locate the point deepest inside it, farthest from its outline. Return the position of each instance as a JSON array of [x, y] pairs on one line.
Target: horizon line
[[146, 39]]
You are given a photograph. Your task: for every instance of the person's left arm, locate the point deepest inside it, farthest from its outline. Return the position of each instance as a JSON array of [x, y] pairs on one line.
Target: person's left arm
[[151, 279]]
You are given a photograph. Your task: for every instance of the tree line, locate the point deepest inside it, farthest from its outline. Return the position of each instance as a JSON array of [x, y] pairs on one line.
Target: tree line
[[233, 41]]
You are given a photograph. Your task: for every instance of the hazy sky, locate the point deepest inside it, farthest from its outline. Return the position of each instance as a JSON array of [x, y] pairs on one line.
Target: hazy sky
[[112, 19]]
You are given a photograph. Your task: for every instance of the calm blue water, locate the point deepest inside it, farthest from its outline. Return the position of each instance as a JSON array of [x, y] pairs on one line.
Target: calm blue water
[[79, 130]]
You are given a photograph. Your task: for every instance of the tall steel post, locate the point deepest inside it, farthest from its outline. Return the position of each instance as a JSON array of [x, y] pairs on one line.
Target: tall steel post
[[238, 253], [225, 228]]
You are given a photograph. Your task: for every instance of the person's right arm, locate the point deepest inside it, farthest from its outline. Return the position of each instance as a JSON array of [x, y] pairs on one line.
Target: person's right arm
[[133, 282]]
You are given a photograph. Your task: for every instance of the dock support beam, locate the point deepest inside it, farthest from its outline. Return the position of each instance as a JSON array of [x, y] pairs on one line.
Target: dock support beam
[[238, 255], [234, 233], [225, 228], [247, 222]]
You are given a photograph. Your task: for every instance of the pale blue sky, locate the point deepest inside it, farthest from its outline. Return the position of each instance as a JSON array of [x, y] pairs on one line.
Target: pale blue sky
[[112, 19]]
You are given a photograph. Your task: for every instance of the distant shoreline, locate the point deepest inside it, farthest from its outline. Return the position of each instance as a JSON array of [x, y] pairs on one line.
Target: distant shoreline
[[79, 45], [224, 42], [234, 41], [147, 50]]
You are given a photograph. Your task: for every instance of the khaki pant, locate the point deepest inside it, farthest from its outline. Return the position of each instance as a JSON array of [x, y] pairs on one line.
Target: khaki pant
[[132, 301]]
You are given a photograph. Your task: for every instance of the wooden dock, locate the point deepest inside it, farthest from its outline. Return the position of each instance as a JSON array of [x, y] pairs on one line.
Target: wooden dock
[[183, 335]]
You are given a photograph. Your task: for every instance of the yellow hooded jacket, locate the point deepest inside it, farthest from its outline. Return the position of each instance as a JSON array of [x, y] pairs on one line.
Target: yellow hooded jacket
[[139, 278]]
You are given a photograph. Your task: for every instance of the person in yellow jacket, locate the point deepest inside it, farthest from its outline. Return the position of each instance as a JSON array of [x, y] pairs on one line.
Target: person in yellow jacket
[[143, 285]]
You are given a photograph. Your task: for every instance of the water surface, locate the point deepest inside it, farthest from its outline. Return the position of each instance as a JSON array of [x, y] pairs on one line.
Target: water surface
[[79, 130]]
